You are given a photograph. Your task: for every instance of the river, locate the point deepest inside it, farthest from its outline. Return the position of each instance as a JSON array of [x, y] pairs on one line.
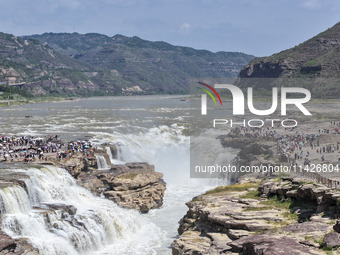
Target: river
[[144, 128]]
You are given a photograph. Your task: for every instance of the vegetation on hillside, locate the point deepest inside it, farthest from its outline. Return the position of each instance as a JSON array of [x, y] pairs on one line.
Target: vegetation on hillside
[[313, 64], [94, 64]]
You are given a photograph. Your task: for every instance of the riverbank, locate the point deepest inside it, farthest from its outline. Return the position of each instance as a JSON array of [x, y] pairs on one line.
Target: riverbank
[[309, 147], [290, 211], [7, 99], [269, 216]]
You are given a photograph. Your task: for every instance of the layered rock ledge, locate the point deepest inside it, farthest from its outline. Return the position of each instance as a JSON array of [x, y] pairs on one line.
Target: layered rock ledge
[[269, 217], [132, 186], [10, 246]]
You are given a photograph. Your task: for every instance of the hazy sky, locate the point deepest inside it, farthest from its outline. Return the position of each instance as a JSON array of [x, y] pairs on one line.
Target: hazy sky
[[258, 27]]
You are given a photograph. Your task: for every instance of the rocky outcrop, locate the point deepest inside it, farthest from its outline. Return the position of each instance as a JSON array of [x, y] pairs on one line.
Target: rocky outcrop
[[270, 244], [133, 185], [263, 70], [331, 240], [315, 60], [252, 217], [75, 165], [10, 246], [253, 151], [317, 196], [234, 141]]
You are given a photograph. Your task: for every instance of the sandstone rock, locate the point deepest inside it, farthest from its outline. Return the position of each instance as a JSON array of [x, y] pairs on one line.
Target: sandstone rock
[[90, 181], [132, 180], [68, 209], [219, 241], [237, 233], [10, 246], [143, 199], [192, 243], [292, 193], [234, 142], [90, 163], [308, 227], [229, 214], [74, 165], [273, 244], [6, 241], [132, 186], [332, 240]]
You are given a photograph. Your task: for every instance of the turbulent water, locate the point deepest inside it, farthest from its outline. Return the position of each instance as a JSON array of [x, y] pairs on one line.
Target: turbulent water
[[34, 214], [147, 128]]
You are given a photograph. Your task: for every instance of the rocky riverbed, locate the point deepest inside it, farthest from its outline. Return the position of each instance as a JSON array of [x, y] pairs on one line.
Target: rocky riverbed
[[271, 216]]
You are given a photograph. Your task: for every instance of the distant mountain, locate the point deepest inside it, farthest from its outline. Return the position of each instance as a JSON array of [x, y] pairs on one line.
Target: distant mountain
[[42, 70], [141, 66], [317, 61]]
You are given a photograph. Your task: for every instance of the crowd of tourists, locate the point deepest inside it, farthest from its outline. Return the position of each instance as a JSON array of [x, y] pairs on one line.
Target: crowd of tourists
[[30, 148], [297, 146]]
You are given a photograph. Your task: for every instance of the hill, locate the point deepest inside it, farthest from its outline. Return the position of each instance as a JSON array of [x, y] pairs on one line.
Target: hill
[[317, 61], [40, 70], [143, 66]]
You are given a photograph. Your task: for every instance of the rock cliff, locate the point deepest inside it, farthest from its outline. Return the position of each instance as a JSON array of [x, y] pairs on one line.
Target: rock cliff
[[269, 217], [315, 60], [132, 186]]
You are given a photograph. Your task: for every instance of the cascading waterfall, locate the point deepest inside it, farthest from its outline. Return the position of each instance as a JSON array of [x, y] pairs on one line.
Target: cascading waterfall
[[169, 150], [119, 154], [61, 218], [109, 153], [151, 129], [112, 160], [101, 163], [207, 150]]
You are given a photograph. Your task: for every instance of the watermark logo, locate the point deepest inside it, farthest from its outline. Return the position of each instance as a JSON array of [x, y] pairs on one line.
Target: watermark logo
[[239, 99], [204, 97]]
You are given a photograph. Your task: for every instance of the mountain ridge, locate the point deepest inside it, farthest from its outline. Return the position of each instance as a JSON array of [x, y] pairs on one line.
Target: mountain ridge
[[316, 60], [142, 66]]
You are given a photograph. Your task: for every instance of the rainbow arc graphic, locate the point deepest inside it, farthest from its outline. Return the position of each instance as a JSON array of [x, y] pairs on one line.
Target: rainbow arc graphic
[[204, 97]]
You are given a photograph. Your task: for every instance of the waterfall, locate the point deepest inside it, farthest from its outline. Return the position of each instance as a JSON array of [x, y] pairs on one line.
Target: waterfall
[[120, 159], [61, 218], [112, 160], [212, 152], [169, 150], [101, 163]]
